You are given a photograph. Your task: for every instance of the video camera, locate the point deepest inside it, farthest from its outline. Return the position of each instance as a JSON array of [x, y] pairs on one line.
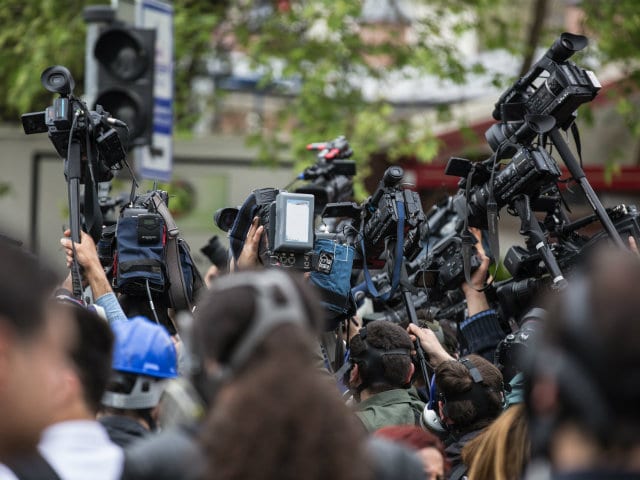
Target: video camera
[[558, 95], [391, 213], [288, 220], [530, 171], [331, 178], [69, 118]]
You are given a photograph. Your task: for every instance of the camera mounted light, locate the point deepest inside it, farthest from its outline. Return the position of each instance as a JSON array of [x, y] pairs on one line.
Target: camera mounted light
[[58, 79]]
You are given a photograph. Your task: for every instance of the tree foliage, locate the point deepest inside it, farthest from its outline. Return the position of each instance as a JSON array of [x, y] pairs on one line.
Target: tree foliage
[[323, 44], [615, 27]]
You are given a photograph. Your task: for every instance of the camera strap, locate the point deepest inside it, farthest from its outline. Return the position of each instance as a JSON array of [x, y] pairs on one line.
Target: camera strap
[[178, 292], [397, 264]]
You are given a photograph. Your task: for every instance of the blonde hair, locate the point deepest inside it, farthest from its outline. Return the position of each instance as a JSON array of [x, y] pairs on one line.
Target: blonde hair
[[502, 450]]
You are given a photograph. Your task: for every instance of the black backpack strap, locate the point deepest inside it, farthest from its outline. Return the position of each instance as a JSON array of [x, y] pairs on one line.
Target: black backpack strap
[[459, 472], [32, 467], [178, 295]]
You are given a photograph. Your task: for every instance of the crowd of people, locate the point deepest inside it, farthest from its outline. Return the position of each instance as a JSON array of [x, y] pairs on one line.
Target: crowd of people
[[245, 388]]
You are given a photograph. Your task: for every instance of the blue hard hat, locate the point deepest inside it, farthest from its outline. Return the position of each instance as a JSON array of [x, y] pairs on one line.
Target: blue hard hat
[[144, 348]]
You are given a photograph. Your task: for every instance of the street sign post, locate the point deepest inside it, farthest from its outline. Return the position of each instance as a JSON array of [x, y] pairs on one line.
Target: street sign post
[[156, 161]]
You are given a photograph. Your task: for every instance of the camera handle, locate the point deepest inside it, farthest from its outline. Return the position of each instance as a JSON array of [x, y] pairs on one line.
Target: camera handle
[[578, 174], [531, 228], [405, 289], [73, 172]]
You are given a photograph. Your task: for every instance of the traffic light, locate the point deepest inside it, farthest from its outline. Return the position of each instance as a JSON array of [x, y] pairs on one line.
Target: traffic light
[[126, 56]]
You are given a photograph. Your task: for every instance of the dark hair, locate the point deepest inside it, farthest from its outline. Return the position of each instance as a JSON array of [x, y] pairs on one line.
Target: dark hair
[[591, 333], [25, 284], [91, 354], [222, 318], [282, 419], [454, 378], [384, 335], [415, 438]]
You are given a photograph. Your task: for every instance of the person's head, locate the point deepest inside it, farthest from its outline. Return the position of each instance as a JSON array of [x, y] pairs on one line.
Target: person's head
[[34, 337], [381, 357], [428, 447], [89, 366], [471, 393], [275, 414], [144, 357], [236, 317], [585, 370], [502, 451]]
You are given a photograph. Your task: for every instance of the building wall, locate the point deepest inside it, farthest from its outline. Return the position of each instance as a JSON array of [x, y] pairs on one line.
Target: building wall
[[219, 169]]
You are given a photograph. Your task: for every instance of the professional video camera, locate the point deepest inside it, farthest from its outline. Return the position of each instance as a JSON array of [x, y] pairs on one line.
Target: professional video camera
[[531, 171], [331, 178], [558, 94], [91, 148], [392, 213], [69, 119]]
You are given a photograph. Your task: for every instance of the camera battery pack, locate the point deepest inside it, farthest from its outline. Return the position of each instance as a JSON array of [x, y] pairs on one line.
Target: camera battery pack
[[150, 228]]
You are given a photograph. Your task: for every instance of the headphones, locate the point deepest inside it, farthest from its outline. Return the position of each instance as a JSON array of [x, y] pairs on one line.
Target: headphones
[[372, 359], [268, 315], [477, 394]]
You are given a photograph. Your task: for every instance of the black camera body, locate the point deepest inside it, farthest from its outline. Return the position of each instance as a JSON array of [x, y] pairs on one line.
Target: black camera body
[[330, 180], [566, 87], [70, 118], [530, 170], [381, 217], [444, 267]]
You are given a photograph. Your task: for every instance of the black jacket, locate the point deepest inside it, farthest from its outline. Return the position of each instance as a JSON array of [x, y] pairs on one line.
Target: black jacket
[[123, 430], [454, 449]]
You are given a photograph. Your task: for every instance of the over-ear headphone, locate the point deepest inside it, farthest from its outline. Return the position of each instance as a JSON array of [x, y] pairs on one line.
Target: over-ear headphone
[[477, 394], [269, 314], [372, 359]]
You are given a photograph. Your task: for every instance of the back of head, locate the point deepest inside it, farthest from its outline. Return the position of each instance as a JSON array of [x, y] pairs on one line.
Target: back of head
[[246, 306], [144, 356], [382, 352], [470, 403], [91, 355], [275, 414], [25, 283], [588, 352], [502, 451]]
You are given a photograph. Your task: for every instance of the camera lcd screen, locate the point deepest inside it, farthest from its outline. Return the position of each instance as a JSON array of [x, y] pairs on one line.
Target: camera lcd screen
[[293, 213], [297, 221]]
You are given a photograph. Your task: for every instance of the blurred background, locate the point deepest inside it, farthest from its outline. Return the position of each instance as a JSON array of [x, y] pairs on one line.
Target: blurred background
[[223, 96]]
